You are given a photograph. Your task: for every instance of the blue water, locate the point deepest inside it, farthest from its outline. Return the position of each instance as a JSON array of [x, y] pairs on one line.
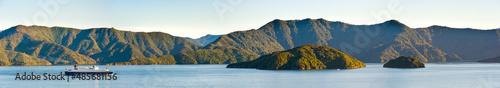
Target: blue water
[[449, 75]]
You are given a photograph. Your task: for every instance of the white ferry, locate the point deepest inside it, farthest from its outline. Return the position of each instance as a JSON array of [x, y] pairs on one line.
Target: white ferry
[[87, 70]]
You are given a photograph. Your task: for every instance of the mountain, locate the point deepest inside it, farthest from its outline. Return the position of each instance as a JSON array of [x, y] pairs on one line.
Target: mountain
[[469, 44], [35, 45], [204, 40], [303, 58], [369, 43], [60, 45], [404, 62]]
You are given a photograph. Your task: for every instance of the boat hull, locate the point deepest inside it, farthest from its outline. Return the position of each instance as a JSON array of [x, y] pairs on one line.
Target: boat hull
[[76, 73]]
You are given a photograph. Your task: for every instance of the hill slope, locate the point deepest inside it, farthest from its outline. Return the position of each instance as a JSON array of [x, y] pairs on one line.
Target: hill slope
[[404, 62], [162, 60], [216, 55], [204, 40], [494, 59], [16, 58], [60, 45], [369, 43], [469, 44]]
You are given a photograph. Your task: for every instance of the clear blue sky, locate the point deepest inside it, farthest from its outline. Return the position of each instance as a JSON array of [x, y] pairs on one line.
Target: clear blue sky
[[195, 18]]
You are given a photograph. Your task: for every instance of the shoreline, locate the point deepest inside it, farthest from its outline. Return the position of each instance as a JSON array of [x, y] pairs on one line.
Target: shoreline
[[228, 64]]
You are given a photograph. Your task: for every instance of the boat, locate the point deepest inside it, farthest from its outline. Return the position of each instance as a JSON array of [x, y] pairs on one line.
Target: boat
[[87, 70]]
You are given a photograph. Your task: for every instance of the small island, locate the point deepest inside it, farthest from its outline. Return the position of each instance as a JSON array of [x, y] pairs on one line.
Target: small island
[[491, 60], [404, 62], [303, 58]]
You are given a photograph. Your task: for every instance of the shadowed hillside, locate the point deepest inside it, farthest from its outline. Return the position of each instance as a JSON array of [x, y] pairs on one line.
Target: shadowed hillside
[[368, 43], [494, 59], [469, 44]]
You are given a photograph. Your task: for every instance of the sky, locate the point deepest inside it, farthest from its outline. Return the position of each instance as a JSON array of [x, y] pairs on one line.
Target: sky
[[196, 18]]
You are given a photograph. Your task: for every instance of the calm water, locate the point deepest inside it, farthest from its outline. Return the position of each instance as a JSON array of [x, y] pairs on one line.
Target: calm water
[[450, 75]]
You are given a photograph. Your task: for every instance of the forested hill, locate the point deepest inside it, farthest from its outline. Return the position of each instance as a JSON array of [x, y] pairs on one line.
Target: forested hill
[[60, 45], [369, 43]]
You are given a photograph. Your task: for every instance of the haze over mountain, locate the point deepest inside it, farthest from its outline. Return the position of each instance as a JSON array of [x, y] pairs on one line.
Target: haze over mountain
[[59, 45], [204, 40]]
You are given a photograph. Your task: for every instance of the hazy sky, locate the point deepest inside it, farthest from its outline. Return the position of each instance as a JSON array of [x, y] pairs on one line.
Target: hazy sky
[[195, 18]]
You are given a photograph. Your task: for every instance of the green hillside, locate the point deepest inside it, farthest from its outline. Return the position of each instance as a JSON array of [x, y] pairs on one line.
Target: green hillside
[[303, 58], [162, 60], [16, 58], [254, 41], [60, 45], [494, 60], [205, 40]]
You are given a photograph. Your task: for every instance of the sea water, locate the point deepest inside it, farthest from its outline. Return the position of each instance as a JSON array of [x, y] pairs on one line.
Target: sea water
[[444, 75]]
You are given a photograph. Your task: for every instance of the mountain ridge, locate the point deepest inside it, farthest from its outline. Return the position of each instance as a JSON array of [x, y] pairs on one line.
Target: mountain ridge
[[394, 39]]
